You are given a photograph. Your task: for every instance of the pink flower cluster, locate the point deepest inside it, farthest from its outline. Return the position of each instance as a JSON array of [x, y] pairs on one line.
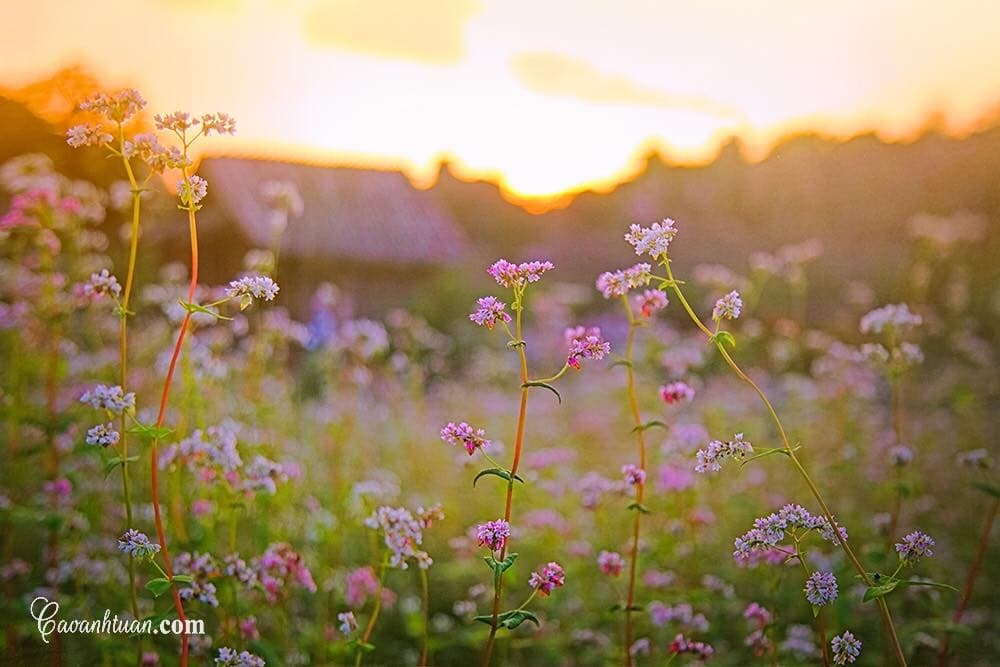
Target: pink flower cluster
[[493, 534], [611, 563], [490, 311], [548, 579], [585, 343], [675, 392], [634, 475], [614, 284], [280, 566], [464, 435], [516, 276]]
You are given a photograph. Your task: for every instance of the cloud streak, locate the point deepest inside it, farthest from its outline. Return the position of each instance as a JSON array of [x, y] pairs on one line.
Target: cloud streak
[[431, 32], [558, 75]]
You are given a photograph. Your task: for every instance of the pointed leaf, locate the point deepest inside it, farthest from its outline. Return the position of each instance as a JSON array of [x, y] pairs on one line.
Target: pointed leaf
[[987, 488], [158, 586], [536, 383], [724, 338], [496, 472], [886, 586], [516, 618], [183, 578], [648, 425], [152, 432], [642, 509], [110, 466]]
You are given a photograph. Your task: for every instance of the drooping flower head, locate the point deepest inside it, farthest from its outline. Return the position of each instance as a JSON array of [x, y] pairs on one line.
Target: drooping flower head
[[675, 392], [464, 435], [137, 544], [549, 578], [585, 343], [611, 563], [915, 546], [728, 307], [653, 240], [821, 588], [493, 534], [846, 648], [516, 276], [490, 310]]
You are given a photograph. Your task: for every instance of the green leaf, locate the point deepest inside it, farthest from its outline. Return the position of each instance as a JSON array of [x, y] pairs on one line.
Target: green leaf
[[151, 432], [496, 472], [724, 338], [361, 645], [158, 586], [536, 383], [622, 362], [648, 425], [880, 589], [639, 507], [183, 578], [514, 344], [507, 562], [987, 488], [245, 302], [487, 619], [513, 619], [110, 466], [935, 584], [195, 308], [815, 610]]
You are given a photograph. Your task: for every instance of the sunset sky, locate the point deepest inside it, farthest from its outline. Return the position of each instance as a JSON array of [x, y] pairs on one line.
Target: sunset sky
[[543, 95]]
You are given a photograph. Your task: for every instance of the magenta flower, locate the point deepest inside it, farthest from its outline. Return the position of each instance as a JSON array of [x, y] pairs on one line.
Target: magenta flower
[[490, 311], [361, 583], [634, 475], [585, 344], [675, 392], [681, 644], [516, 276], [611, 563], [493, 534], [550, 578], [915, 546], [464, 435]]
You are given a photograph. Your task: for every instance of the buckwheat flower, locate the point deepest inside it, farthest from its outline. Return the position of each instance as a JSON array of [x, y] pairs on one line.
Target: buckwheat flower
[[490, 311], [585, 344], [634, 475], [402, 533], [799, 641], [639, 647], [464, 435], [516, 276], [612, 284], [118, 107], [360, 585], [675, 392], [651, 301], [103, 435], [178, 121], [113, 399], [758, 642], [894, 317], [711, 458], [248, 288], [493, 534], [846, 648], [728, 307], [228, 657], [681, 644], [87, 135], [653, 240], [136, 544], [192, 190], [821, 588], [975, 458], [348, 623], [219, 123], [758, 614], [611, 563], [101, 284], [915, 546], [548, 579], [900, 455]]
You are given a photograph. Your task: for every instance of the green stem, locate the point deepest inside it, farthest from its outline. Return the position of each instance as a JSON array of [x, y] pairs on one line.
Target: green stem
[[375, 611], [425, 601], [883, 607]]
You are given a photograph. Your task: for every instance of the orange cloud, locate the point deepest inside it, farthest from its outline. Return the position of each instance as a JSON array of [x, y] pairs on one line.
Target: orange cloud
[[559, 75], [430, 32]]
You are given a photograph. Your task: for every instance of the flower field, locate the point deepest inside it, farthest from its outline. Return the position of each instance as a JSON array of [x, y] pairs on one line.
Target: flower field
[[650, 474]]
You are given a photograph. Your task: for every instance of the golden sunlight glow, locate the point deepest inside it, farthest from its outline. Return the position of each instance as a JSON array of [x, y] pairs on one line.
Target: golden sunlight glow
[[547, 96]]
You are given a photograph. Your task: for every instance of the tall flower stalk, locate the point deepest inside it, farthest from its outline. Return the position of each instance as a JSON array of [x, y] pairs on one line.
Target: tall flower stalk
[[655, 242], [617, 285], [582, 344]]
